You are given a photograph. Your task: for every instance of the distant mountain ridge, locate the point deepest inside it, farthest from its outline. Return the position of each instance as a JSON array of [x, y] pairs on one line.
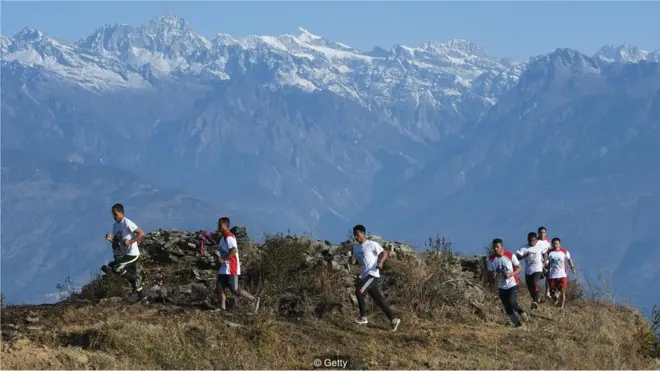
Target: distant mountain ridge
[[310, 134]]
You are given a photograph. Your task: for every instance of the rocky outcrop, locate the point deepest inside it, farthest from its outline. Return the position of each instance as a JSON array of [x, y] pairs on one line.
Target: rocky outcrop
[[175, 269]]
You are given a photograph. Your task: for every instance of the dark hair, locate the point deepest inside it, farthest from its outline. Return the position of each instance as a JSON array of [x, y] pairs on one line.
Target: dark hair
[[359, 228], [224, 220], [542, 228], [531, 235], [556, 239], [496, 241], [118, 207]]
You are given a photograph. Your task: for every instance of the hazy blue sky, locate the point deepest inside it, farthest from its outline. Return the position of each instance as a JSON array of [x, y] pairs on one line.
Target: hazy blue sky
[[505, 29]]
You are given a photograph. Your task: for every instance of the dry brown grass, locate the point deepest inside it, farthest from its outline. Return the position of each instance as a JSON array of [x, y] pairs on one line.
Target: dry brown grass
[[586, 336], [307, 313]]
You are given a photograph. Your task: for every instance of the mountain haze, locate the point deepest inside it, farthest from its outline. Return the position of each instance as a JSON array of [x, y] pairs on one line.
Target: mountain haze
[[310, 134]]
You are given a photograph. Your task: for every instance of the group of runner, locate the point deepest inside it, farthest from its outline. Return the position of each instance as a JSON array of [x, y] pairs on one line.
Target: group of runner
[[125, 238], [544, 258]]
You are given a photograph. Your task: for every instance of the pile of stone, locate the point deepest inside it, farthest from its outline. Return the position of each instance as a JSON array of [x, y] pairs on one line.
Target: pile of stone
[[176, 270]]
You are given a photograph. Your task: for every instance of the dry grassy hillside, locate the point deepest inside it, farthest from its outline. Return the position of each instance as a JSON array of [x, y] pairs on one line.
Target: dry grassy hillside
[[449, 320]]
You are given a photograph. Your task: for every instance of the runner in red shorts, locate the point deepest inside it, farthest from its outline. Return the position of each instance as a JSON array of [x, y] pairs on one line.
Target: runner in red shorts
[[557, 272]]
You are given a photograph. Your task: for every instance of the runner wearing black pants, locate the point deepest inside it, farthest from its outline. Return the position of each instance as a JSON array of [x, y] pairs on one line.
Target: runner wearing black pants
[[125, 238], [534, 255], [370, 256], [505, 268]]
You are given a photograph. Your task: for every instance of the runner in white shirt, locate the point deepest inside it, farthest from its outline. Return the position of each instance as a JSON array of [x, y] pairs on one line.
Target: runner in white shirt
[[124, 238], [505, 267], [543, 236], [370, 256], [534, 255], [557, 272]]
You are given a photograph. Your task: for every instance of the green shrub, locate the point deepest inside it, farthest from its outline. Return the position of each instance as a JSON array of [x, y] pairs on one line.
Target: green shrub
[[102, 286]]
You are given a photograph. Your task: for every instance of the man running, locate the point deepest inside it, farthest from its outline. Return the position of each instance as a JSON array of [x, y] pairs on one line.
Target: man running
[[543, 234], [230, 266], [534, 255], [125, 237], [557, 272], [505, 268], [543, 237], [370, 256]]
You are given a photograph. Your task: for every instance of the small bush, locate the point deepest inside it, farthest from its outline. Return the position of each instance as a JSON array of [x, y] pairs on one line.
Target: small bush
[[430, 281], [440, 246], [3, 301], [66, 290], [652, 343], [282, 256], [574, 291], [288, 281], [102, 286]]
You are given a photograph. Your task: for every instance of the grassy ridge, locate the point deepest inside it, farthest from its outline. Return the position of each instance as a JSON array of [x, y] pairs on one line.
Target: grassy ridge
[[307, 313]]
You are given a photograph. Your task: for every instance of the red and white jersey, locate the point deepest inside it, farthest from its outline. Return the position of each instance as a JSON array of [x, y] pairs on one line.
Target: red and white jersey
[[557, 263], [503, 265], [231, 266]]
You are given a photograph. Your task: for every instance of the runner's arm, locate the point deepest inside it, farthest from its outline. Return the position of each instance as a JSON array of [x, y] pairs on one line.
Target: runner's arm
[[516, 270], [137, 230], [382, 255], [138, 238], [570, 263], [516, 267]]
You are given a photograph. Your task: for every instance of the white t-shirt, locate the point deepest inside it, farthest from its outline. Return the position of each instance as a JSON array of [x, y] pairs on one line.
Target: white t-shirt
[[125, 229], [548, 245], [533, 256], [231, 266], [367, 256], [556, 263], [503, 265]]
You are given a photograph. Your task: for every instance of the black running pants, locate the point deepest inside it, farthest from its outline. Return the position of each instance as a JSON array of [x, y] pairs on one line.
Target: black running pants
[[370, 285]]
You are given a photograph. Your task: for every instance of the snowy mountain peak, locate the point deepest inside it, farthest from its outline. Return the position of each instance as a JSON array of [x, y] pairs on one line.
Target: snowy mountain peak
[[170, 34], [225, 39], [306, 36], [460, 45], [107, 38], [621, 54], [29, 34], [169, 20]]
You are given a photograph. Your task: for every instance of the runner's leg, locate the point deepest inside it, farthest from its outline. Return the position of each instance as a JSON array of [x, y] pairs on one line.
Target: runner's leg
[[374, 292], [221, 284], [505, 297], [361, 291], [536, 278], [529, 282]]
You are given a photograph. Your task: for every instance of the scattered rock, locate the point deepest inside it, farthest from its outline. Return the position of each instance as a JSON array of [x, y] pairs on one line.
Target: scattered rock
[[185, 276], [433, 364], [233, 324], [32, 319], [34, 328], [20, 344], [114, 299]]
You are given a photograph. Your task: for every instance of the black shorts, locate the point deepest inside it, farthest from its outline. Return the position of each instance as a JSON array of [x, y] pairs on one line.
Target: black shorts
[[226, 281]]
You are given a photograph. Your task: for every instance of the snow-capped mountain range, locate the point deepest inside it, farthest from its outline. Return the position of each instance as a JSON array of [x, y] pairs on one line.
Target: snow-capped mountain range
[[123, 56], [315, 135]]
